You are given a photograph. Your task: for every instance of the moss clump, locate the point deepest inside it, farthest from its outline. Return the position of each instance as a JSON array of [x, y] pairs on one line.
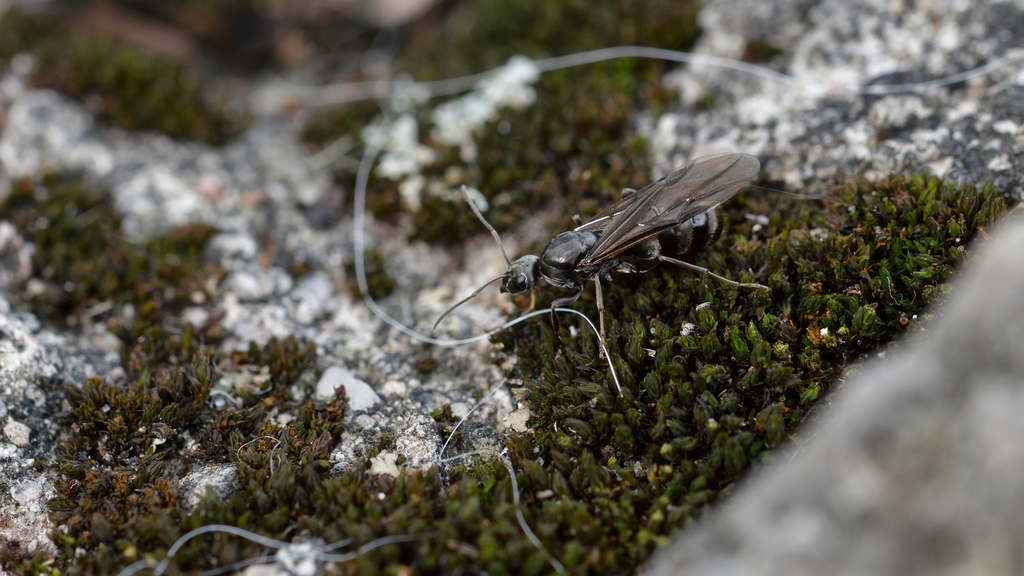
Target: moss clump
[[379, 282], [563, 153], [84, 259], [713, 378], [759, 52], [560, 156], [118, 496], [485, 34], [287, 360], [123, 84], [118, 423]]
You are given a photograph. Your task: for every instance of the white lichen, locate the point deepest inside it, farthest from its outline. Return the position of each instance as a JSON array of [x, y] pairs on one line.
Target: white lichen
[[511, 86]]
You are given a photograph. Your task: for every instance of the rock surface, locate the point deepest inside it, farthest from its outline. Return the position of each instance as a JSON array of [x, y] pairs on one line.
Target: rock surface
[[221, 478], [34, 365], [360, 395], [917, 469], [804, 133]]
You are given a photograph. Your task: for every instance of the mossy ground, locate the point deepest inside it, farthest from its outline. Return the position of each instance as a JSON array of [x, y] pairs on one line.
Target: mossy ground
[[120, 83], [561, 154], [713, 377], [83, 260]]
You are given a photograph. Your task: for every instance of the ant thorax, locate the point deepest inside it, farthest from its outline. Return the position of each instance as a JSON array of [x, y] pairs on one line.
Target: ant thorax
[[559, 261]]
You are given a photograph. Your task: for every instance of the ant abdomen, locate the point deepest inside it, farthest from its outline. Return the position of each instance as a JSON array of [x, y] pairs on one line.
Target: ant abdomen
[[693, 235]]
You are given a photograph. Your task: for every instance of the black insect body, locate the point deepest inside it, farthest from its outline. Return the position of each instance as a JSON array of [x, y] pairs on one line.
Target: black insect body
[[671, 218]]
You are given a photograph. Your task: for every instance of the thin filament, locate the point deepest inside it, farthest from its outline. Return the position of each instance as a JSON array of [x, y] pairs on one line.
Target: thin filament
[[466, 299], [465, 192]]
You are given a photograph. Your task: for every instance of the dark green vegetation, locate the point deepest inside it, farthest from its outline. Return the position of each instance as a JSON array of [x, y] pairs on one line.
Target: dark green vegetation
[[85, 261], [759, 51], [713, 376], [118, 497], [486, 33], [563, 153], [604, 478], [377, 278], [120, 83]]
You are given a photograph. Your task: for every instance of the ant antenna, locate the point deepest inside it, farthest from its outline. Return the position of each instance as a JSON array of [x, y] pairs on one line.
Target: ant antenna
[[465, 192], [788, 193], [466, 299], [819, 197]]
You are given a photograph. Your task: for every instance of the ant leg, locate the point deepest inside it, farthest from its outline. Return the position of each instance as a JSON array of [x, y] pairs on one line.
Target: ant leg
[[558, 303], [706, 272], [600, 304], [577, 220]]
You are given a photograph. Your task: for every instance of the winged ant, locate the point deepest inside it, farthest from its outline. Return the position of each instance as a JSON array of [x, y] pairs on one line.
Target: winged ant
[[667, 220]]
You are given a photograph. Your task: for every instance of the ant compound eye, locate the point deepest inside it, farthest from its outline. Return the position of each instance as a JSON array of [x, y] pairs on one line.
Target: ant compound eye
[[521, 281]]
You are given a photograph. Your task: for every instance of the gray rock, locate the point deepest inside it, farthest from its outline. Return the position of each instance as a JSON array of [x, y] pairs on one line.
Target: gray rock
[[918, 468], [256, 285], [419, 441], [26, 492], [35, 366], [158, 183], [414, 433], [24, 518], [43, 131], [312, 297], [221, 478], [804, 135], [227, 246], [16, 432], [384, 464], [15, 257], [360, 394]]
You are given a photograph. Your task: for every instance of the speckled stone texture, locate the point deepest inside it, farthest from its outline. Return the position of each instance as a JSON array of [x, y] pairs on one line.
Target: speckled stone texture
[[973, 131], [34, 365]]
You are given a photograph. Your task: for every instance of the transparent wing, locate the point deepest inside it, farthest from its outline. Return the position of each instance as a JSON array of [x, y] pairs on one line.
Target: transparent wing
[[691, 190]]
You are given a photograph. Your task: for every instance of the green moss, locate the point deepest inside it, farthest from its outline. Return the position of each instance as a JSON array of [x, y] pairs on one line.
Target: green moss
[[379, 282], [118, 423], [713, 378], [85, 261], [485, 34], [288, 361], [444, 414], [324, 127], [118, 495], [564, 154], [759, 52], [705, 102], [561, 156], [123, 84]]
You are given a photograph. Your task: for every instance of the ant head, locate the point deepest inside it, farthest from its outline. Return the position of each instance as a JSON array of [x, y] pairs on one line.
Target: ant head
[[521, 275]]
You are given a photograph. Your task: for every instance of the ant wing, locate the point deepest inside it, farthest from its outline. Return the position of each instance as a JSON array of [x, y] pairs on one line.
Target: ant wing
[[691, 190], [598, 223]]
